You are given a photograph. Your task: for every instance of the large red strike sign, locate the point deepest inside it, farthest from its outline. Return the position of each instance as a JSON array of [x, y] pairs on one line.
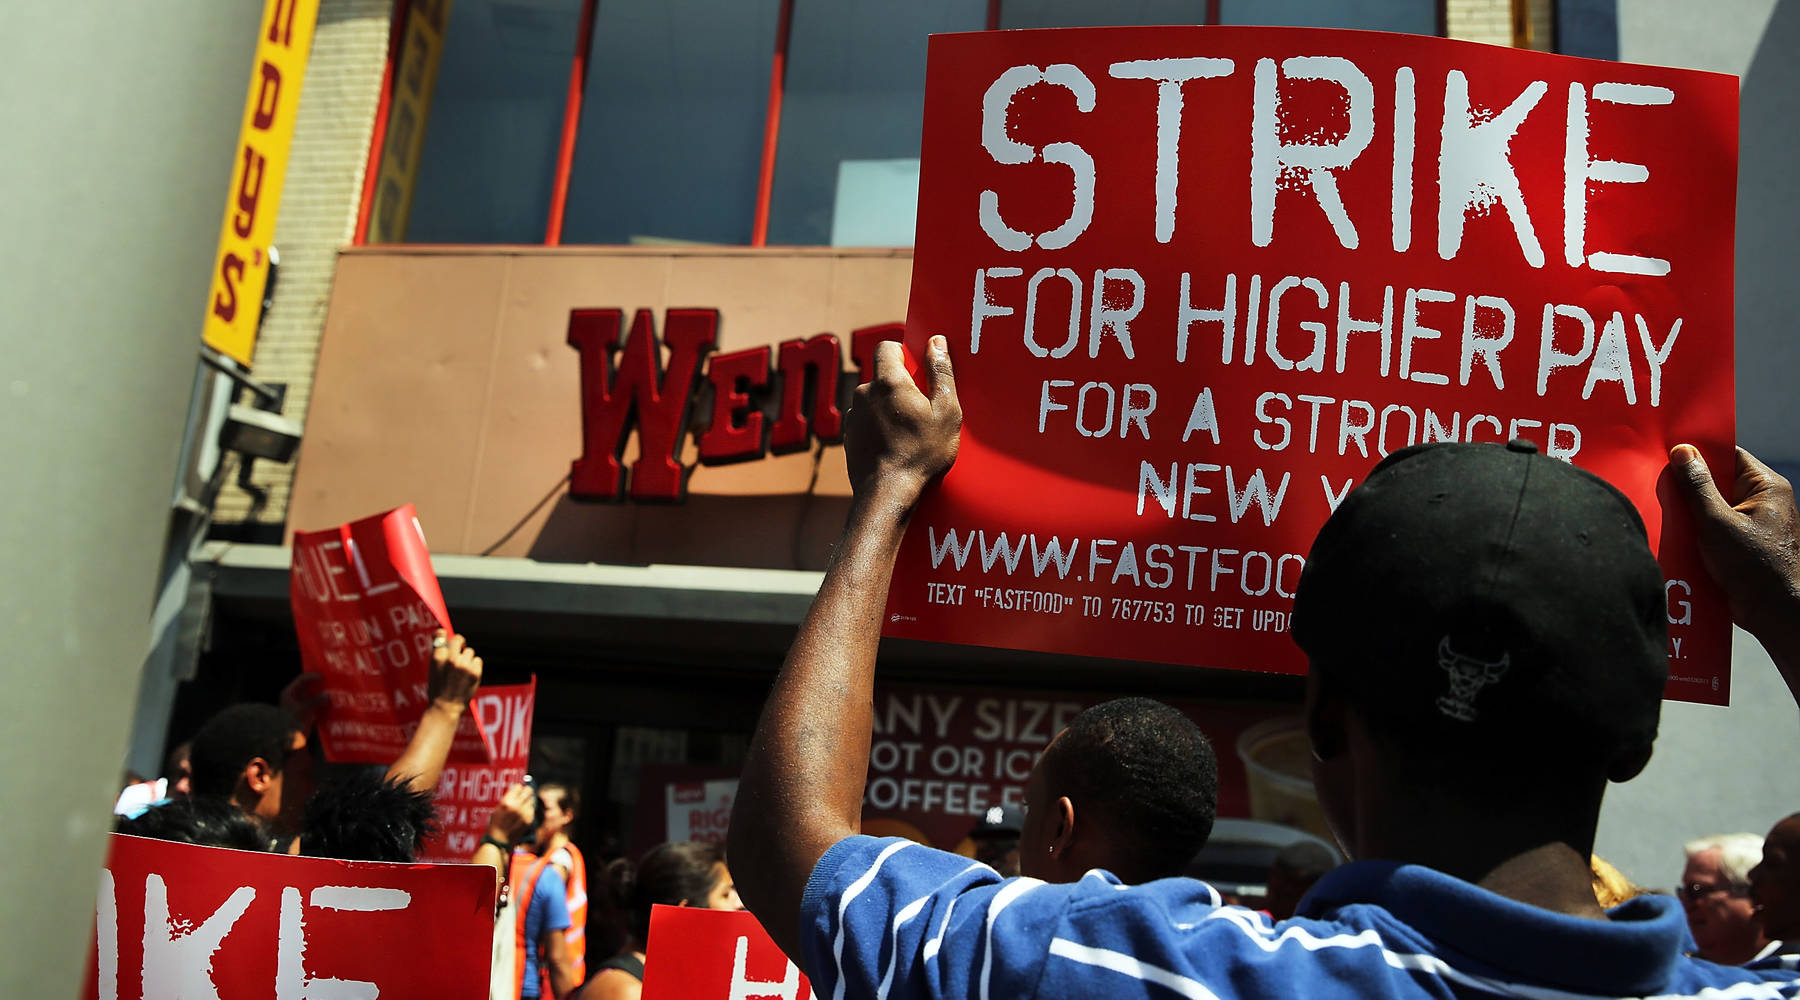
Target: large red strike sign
[[366, 604], [175, 920], [468, 792], [1197, 281]]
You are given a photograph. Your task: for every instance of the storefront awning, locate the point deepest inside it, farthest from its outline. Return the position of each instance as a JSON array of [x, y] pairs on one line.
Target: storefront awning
[[258, 573]]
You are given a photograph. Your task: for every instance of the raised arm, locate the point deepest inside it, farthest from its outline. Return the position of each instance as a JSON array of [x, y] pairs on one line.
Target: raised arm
[[802, 784], [454, 678], [1751, 546]]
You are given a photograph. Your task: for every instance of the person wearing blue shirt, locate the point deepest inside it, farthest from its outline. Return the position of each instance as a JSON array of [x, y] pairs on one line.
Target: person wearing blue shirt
[[1487, 637], [546, 917]]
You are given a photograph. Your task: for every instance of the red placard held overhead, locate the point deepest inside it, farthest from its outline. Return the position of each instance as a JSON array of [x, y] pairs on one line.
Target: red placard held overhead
[[467, 793], [697, 954], [1197, 281], [366, 603], [179, 920]]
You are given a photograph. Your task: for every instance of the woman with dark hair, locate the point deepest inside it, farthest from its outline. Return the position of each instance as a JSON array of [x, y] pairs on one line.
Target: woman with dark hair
[[680, 873]]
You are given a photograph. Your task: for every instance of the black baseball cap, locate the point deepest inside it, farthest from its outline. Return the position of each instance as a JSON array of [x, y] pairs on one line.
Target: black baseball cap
[[1487, 598]]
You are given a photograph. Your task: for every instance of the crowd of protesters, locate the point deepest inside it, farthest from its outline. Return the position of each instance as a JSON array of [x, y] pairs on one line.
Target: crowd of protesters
[[1467, 804]]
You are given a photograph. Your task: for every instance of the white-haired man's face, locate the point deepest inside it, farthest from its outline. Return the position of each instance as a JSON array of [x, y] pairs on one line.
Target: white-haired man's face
[[1720, 914]]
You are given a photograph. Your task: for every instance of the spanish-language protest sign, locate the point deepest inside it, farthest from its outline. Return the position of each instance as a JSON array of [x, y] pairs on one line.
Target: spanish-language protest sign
[[176, 920], [467, 793], [700, 954], [1197, 281], [366, 603]]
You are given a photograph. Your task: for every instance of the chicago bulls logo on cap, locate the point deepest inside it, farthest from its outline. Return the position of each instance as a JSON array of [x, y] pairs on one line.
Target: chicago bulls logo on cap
[[1468, 676]]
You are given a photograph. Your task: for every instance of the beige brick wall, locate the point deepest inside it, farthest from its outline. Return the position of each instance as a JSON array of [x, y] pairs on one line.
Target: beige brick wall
[[318, 215], [1487, 21], [1491, 21]]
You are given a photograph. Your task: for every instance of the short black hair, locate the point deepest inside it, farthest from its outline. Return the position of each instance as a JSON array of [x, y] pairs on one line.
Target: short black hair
[[232, 739], [1148, 774], [209, 821], [361, 815]]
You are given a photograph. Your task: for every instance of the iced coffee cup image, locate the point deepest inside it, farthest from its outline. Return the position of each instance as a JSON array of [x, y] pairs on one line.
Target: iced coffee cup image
[[1278, 775]]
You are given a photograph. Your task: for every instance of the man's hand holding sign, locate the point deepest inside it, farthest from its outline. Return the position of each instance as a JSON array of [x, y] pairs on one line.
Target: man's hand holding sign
[[1202, 279]]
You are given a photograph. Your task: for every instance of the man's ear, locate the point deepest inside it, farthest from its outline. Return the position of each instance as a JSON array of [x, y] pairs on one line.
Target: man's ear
[[258, 775], [1062, 826]]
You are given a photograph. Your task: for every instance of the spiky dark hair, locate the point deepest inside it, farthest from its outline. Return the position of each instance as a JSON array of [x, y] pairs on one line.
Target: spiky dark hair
[[359, 815]]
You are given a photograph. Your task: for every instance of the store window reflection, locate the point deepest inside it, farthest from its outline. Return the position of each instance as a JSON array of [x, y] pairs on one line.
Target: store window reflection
[[1096, 14], [847, 167], [672, 122], [669, 140], [1418, 17], [493, 124]]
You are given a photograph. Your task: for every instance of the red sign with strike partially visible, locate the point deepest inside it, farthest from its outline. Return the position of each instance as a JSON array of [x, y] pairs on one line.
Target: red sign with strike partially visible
[[468, 792], [1197, 281], [366, 604], [698, 954], [175, 920]]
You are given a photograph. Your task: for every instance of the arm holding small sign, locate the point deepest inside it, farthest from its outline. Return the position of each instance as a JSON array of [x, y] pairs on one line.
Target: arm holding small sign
[[1751, 546], [455, 677], [802, 785]]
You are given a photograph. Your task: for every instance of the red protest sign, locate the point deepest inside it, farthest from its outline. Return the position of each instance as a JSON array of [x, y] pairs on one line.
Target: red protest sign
[[1196, 281], [366, 603], [697, 954], [467, 793], [179, 920]]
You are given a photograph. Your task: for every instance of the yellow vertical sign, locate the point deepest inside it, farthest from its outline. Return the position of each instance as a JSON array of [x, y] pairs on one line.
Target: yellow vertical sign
[[415, 82], [241, 269]]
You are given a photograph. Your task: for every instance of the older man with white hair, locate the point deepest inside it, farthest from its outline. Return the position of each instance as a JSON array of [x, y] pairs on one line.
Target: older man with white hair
[[1715, 891]]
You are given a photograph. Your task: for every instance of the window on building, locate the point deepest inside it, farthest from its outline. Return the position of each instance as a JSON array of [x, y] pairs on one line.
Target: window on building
[[1416, 17], [1093, 14], [494, 122], [671, 132], [847, 166], [671, 136]]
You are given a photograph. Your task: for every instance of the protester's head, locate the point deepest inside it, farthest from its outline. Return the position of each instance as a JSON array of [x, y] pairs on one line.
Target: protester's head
[[206, 821], [559, 805], [1715, 890], [360, 815], [996, 836], [179, 772], [1487, 633], [1130, 786], [1295, 869], [255, 755], [678, 873], [1775, 882]]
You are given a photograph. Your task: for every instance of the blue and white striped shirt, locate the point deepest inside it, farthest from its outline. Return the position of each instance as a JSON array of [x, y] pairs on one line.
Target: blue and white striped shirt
[[890, 918]]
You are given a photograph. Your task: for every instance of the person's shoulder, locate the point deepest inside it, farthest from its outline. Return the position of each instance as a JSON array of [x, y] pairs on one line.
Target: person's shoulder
[[549, 883], [894, 866]]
